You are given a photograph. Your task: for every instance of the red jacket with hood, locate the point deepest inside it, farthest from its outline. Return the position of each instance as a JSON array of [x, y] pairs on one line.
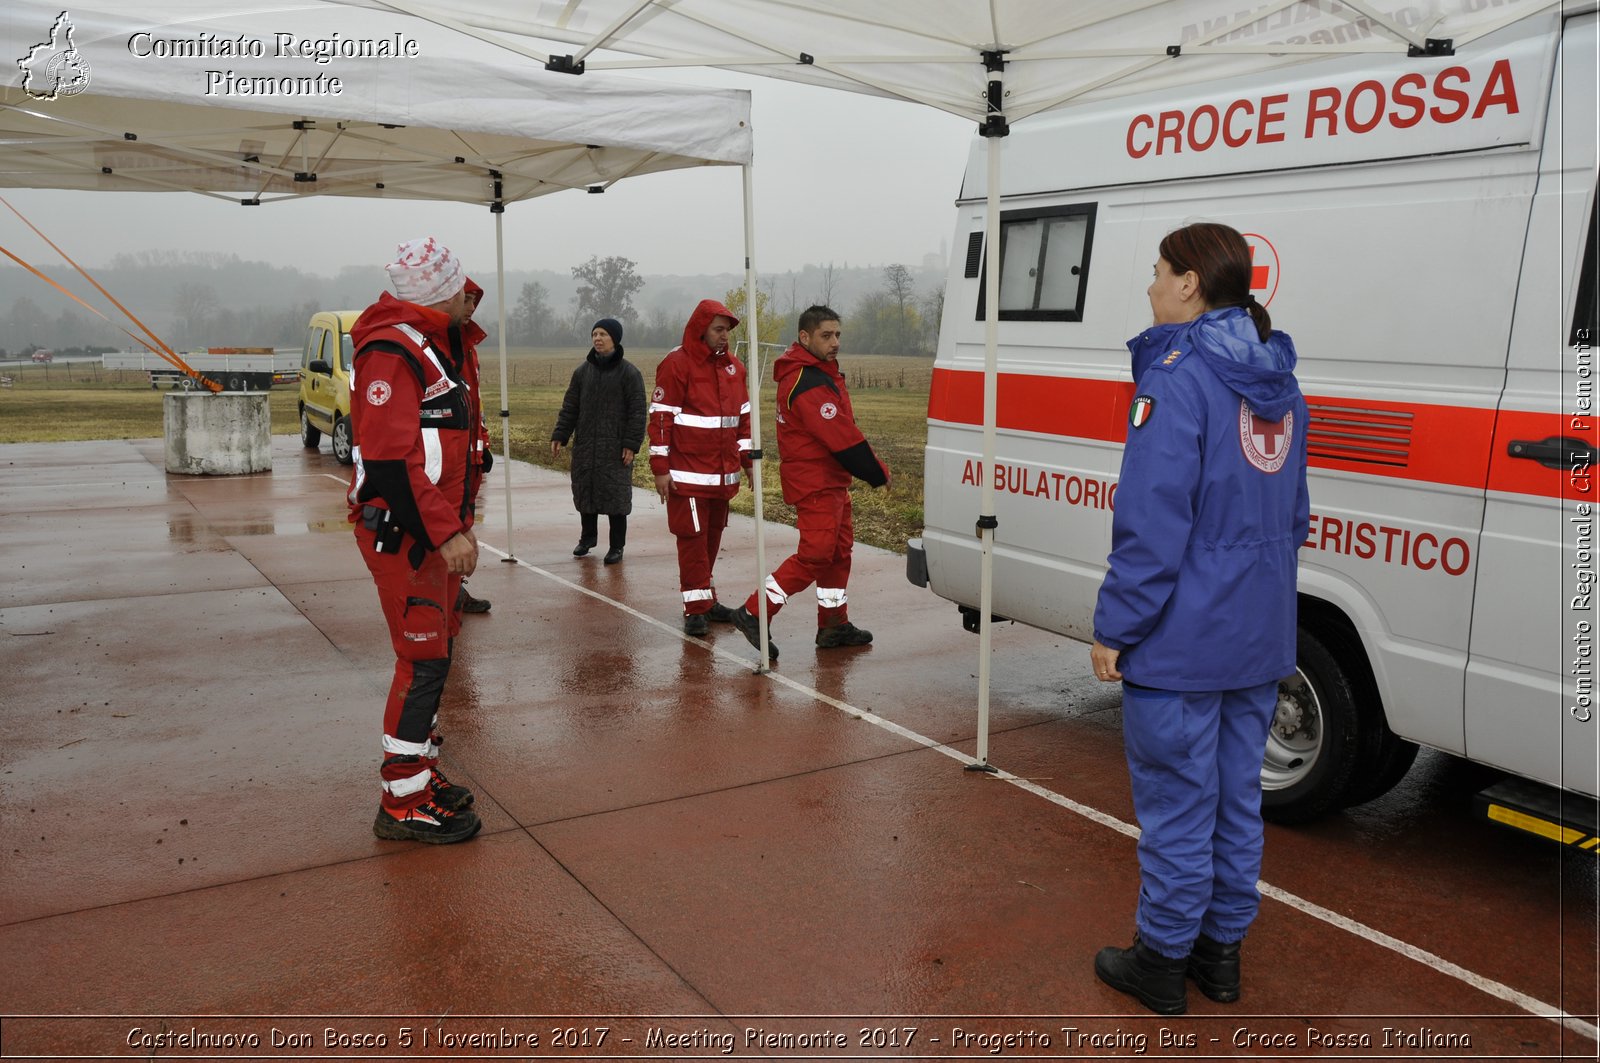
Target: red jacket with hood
[[472, 335], [819, 445], [411, 420], [700, 413]]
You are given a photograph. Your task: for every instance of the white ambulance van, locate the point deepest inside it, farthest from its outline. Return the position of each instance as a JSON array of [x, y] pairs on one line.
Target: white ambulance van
[[1425, 230]]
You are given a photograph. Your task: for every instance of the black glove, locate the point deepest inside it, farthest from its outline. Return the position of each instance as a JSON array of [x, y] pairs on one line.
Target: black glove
[[488, 460]]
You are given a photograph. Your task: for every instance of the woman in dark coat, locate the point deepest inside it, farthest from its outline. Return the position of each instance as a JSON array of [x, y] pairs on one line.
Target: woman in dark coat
[[605, 406]]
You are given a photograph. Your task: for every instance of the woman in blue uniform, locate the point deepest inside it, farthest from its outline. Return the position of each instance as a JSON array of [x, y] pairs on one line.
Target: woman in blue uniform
[[1196, 617]]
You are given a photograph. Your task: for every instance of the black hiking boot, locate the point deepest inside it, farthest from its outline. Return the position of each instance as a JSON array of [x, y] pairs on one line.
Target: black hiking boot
[[469, 604], [1150, 978], [1214, 966], [750, 627], [446, 794], [426, 823], [845, 634]]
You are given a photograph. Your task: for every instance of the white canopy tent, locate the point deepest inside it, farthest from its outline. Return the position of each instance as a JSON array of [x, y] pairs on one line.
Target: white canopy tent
[[264, 106], [994, 61]]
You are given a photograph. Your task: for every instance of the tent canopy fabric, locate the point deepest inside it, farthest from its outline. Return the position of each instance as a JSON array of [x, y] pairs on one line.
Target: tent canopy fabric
[[933, 51], [285, 100]]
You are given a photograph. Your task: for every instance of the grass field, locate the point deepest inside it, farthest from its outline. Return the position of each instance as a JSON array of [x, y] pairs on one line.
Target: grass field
[[890, 394]]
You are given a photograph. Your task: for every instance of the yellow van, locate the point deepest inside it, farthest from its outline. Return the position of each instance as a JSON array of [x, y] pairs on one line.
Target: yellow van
[[325, 381]]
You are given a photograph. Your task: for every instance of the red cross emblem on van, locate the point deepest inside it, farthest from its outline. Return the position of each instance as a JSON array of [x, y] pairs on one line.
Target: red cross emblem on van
[[1264, 267]]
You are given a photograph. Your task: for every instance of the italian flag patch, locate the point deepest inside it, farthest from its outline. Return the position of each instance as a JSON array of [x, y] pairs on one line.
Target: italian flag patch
[[1141, 411]]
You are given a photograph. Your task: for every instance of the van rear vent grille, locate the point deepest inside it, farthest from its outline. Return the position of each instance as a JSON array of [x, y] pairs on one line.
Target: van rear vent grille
[[1352, 433], [974, 253]]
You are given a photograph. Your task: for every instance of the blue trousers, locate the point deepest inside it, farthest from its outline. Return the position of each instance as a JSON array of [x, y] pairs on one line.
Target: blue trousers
[[1195, 762]]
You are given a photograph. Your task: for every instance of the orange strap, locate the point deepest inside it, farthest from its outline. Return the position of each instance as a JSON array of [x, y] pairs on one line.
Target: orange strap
[[160, 349]]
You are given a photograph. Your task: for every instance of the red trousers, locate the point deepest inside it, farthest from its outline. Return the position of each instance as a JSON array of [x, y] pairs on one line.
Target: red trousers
[[419, 607], [826, 538], [697, 523]]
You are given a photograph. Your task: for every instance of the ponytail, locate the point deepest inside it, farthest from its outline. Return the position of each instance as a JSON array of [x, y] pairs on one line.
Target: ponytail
[[1259, 315], [1220, 258]]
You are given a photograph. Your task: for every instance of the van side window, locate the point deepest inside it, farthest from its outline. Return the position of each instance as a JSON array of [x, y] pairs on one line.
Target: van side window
[[347, 351], [1044, 263], [313, 347], [1587, 319]]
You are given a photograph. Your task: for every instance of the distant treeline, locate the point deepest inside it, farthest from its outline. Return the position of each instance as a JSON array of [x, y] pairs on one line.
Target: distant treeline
[[200, 299]]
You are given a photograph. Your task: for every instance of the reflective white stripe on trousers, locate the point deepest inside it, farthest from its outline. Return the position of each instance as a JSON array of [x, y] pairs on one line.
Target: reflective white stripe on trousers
[[409, 786], [705, 479]]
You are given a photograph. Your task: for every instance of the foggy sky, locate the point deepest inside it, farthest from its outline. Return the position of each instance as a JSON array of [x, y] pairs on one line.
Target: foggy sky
[[839, 177]]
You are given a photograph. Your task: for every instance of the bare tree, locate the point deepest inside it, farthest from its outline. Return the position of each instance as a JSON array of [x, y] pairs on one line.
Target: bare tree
[[195, 303], [532, 319], [899, 286], [826, 295], [608, 287], [933, 316]]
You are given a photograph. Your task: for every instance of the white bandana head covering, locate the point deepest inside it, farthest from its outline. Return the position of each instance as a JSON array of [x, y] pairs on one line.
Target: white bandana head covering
[[425, 272]]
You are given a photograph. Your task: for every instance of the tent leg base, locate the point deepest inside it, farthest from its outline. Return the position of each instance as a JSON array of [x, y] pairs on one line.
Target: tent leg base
[[985, 767]]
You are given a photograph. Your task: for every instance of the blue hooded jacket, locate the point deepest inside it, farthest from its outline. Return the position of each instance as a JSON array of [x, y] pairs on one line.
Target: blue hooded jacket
[[1211, 509]]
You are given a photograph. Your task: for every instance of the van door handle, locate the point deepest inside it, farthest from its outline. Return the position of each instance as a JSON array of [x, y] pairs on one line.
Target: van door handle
[[1554, 452]]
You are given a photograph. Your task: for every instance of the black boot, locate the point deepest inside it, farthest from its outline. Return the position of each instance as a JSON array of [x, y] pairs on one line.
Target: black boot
[[589, 535], [1214, 966], [619, 537], [1144, 974]]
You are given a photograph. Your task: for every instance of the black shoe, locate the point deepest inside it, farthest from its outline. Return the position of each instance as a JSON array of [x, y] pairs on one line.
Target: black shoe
[[1144, 974], [720, 613], [426, 823], [845, 634], [585, 544], [750, 627], [695, 624], [613, 556], [469, 604], [1214, 966], [446, 794]]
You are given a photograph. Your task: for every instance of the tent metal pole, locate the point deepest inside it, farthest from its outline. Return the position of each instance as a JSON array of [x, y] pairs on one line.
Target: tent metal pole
[[505, 400], [753, 331], [991, 325]]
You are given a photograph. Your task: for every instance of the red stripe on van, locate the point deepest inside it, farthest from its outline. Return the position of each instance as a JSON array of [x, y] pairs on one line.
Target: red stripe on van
[[1062, 406], [1445, 444]]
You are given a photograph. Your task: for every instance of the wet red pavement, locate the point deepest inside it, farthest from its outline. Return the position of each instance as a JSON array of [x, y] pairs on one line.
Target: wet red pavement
[[194, 669]]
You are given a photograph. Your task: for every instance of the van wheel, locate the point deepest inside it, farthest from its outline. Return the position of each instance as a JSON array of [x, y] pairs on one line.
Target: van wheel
[[310, 434], [1386, 765], [342, 449], [1313, 744]]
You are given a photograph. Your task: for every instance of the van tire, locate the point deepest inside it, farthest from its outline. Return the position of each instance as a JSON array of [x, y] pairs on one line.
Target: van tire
[[1314, 743], [310, 434], [343, 451], [1377, 774]]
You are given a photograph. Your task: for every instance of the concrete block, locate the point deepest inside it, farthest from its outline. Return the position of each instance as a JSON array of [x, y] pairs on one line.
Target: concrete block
[[217, 435]]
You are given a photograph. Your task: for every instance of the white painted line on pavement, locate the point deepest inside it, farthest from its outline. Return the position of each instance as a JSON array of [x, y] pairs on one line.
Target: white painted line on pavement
[[1484, 985]]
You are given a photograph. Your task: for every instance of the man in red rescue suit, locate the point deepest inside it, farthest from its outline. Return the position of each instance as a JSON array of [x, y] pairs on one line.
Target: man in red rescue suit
[[414, 436], [699, 445], [482, 457], [821, 450]]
